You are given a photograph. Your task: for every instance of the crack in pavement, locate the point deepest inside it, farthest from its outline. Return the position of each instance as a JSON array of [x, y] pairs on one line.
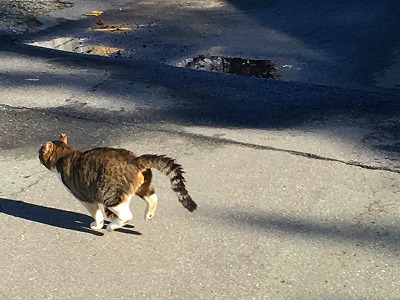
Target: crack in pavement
[[23, 189], [56, 112], [375, 205], [352, 163]]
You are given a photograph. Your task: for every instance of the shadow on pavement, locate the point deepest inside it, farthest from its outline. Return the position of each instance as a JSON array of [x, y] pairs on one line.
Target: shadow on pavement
[[381, 238], [214, 100], [345, 31], [52, 216]]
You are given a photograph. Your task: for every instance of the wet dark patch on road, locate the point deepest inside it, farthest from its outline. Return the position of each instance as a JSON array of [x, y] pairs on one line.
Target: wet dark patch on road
[[261, 68]]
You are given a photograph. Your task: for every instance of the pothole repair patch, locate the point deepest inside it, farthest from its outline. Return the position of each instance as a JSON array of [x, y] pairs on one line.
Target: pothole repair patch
[[233, 65]]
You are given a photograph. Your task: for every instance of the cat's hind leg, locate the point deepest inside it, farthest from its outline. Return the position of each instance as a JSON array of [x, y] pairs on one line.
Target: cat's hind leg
[[123, 213], [151, 205], [146, 192], [109, 214], [95, 211]]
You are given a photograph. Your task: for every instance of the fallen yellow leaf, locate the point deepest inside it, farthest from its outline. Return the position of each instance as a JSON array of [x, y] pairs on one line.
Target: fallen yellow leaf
[[94, 13]]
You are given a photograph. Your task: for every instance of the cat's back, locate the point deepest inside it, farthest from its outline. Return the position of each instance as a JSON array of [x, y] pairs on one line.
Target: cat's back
[[107, 154], [108, 158]]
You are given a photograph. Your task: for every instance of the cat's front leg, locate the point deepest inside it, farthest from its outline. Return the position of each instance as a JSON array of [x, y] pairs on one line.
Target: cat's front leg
[[95, 211], [96, 225]]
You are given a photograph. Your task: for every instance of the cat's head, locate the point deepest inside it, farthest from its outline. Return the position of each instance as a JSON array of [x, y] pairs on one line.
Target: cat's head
[[51, 151]]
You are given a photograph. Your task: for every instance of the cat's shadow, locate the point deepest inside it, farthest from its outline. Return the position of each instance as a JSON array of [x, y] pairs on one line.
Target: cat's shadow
[[53, 217]]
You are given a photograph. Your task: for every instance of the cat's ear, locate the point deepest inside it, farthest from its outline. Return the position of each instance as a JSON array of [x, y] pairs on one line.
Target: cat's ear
[[48, 147], [63, 138]]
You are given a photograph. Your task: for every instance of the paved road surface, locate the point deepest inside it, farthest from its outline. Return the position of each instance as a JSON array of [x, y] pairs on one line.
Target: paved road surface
[[297, 185]]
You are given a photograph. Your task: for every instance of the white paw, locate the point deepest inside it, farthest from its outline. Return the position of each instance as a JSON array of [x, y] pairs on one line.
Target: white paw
[[110, 227], [96, 226], [148, 216]]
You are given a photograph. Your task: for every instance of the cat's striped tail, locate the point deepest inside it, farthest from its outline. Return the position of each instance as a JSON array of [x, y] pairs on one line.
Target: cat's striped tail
[[173, 170]]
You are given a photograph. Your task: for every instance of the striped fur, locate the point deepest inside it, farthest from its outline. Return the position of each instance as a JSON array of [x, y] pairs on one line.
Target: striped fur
[[173, 170], [111, 177]]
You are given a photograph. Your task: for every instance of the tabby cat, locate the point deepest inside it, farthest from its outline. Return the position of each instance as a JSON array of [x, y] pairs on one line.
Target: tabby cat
[[109, 177]]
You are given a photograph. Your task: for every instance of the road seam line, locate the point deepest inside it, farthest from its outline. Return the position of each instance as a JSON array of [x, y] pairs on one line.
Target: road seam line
[[213, 139]]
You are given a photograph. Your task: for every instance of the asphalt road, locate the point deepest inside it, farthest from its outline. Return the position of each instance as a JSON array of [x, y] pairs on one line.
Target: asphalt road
[[352, 44], [297, 184]]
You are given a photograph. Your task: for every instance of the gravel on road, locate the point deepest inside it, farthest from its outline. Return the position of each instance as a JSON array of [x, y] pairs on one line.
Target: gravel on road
[[19, 16]]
